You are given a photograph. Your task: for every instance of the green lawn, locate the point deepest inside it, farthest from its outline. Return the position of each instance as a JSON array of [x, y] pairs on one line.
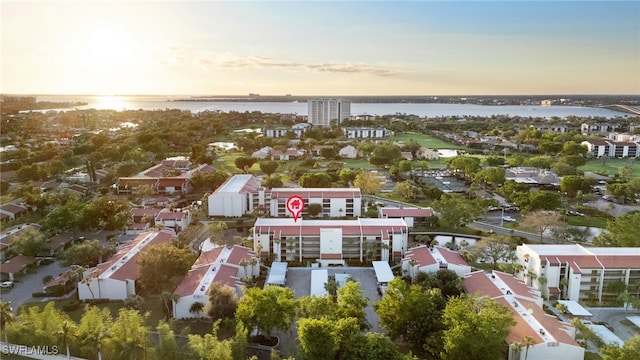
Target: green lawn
[[587, 221], [610, 166], [425, 140]]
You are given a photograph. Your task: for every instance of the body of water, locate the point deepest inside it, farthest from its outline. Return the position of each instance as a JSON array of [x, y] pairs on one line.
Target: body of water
[[120, 103]]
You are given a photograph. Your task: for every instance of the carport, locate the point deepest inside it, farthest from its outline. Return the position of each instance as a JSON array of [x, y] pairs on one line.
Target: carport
[[576, 309], [383, 272], [277, 273]]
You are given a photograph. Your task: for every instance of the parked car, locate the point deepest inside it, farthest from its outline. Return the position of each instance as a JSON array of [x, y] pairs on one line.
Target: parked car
[[509, 219], [7, 284]]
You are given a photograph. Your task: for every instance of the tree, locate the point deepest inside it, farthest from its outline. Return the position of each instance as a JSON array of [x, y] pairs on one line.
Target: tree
[[88, 253], [541, 200], [166, 300], [574, 160], [266, 309], [621, 231], [404, 166], [314, 210], [527, 342], [414, 313], [491, 175], [329, 153], [317, 339], [40, 326], [562, 169], [208, 347], [351, 303], [572, 148], [167, 348], [92, 330], [540, 221], [70, 216], [316, 307], [542, 162], [66, 332], [315, 180], [494, 247], [217, 232], [108, 212], [208, 181], [385, 154], [161, 267], [368, 182], [347, 175], [245, 163], [475, 325], [449, 283], [30, 242], [6, 317], [629, 351], [273, 181], [128, 336], [196, 308], [223, 301], [467, 165], [453, 210], [404, 190], [571, 184], [268, 167]]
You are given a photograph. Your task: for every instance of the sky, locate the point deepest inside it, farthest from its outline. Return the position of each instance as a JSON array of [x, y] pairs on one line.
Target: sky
[[319, 48]]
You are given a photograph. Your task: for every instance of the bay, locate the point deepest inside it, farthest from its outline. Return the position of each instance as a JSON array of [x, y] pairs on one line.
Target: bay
[[120, 103]]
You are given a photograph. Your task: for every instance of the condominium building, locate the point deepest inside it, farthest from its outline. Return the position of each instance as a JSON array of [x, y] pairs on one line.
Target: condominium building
[[550, 337], [238, 196], [336, 202], [323, 111], [577, 272], [331, 241]]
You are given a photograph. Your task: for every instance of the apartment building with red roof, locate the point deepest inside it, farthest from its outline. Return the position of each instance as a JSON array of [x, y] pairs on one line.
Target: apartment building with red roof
[[336, 202], [552, 338], [115, 279], [221, 264], [331, 241], [430, 259]]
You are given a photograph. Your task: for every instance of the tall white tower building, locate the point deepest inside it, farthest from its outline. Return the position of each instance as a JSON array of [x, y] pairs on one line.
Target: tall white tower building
[[323, 111]]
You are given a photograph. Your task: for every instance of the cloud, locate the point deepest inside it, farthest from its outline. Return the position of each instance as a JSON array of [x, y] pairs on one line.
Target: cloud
[[329, 67]]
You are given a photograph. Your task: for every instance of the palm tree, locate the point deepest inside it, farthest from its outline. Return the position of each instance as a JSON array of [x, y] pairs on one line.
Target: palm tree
[[196, 308], [66, 333], [166, 299], [6, 317], [564, 283], [542, 280], [412, 264], [517, 349], [527, 341], [532, 276]]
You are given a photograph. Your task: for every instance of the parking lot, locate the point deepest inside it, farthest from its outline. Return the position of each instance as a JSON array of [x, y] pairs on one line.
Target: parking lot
[[299, 279]]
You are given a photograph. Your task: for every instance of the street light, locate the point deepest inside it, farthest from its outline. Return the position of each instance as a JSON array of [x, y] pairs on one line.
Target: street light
[[502, 218]]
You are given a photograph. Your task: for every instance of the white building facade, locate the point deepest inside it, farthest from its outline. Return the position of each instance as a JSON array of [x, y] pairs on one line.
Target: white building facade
[[331, 241], [238, 196], [323, 111], [115, 279], [575, 272], [336, 202]]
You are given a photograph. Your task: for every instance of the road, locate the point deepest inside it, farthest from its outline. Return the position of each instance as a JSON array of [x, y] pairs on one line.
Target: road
[[614, 316], [28, 284]]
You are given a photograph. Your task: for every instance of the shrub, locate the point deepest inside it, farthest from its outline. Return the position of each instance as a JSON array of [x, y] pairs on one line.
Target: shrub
[[38, 294], [72, 306]]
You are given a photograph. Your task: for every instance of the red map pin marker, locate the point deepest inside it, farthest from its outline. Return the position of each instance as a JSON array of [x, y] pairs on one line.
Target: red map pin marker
[[295, 205]]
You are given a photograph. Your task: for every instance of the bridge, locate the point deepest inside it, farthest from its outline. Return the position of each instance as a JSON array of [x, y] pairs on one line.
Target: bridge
[[622, 108]]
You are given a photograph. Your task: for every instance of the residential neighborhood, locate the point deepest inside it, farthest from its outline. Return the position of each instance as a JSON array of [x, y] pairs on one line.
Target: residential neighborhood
[[522, 220]]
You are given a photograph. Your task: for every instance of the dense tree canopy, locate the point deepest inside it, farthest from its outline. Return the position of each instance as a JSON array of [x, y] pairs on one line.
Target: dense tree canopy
[[161, 267], [621, 231], [266, 309]]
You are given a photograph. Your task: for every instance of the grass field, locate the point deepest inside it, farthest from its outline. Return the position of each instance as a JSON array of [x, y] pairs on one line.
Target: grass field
[[610, 167], [425, 140]]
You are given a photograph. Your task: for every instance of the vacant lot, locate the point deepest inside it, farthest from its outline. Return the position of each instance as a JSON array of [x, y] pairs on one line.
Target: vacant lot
[[425, 140], [610, 166]]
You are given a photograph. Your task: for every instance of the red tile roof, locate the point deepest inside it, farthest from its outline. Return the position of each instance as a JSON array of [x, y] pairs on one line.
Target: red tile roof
[[16, 264], [13, 208], [324, 193], [141, 212], [58, 241], [479, 283], [208, 257], [238, 253], [191, 281], [451, 257], [422, 255], [127, 261], [172, 182], [226, 275], [170, 215]]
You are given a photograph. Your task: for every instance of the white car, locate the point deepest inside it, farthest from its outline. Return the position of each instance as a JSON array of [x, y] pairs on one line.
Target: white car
[[508, 219], [7, 284]]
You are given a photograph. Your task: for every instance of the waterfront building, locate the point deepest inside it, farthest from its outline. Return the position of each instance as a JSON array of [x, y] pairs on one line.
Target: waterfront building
[[323, 111]]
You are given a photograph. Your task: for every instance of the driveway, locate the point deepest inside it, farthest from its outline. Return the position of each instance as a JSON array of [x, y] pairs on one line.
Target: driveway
[[614, 316], [28, 284], [611, 208]]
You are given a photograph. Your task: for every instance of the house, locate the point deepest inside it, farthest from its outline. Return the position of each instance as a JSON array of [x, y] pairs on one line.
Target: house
[[16, 265], [430, 259], [221, 264], [531, 175], [289, 154], [10, 235], [127, 185], [414, 217], [406, 155], [202, 168], [577, 272], [336, 202], [263, 153], [552, 338], [598, 128], [177, 220], [552, 128], [348, 152], [115, 279], [331, 241], [609, 148], [236, 197], [426, 153], [11, 211], [172, 185], [57, 243], [366, 133]]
